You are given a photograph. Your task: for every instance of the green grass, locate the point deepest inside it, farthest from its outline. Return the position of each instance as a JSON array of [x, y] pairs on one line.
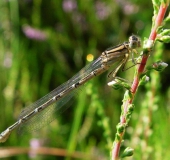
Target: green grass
[[31, 68]]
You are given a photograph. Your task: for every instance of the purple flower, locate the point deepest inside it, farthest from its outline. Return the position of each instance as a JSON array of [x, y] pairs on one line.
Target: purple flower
[[128, 7], [34, 144], [69, 5], [33, 33], [102, 10]]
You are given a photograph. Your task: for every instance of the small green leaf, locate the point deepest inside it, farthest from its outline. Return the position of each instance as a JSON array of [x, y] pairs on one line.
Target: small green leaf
[[164, 35], [144, 80], [118, 84], [120, 128], [127, 152]]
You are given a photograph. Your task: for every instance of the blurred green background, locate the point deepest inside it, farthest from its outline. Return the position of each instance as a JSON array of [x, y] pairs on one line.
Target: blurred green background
[[45, 43]]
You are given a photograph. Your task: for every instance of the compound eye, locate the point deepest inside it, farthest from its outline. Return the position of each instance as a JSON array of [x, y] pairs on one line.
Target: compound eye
[[134, 41]]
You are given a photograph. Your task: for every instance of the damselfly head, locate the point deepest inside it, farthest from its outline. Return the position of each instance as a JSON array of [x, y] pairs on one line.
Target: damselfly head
[[134, 42]]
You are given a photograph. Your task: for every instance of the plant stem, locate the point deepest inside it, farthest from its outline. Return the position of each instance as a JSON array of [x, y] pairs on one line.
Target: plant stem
[[135, 84]]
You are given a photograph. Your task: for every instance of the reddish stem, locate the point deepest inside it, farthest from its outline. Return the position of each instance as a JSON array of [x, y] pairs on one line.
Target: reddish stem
[[158, 21]]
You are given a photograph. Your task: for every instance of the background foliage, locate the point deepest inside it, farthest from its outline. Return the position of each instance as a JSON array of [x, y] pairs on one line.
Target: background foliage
[[44, 43]]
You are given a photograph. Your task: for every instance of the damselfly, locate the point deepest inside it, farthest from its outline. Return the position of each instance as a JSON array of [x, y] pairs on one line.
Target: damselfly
[[33, 116]]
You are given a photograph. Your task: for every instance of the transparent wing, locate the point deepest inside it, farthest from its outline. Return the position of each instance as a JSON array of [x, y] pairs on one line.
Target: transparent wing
[[52, 111]]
